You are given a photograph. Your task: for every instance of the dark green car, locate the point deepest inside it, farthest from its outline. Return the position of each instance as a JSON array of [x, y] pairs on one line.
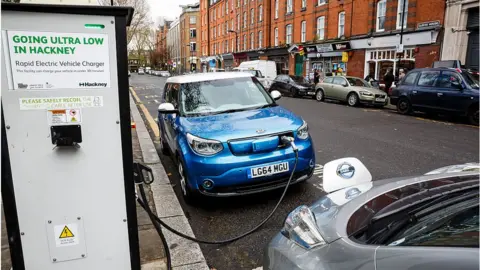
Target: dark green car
[[352, 90]]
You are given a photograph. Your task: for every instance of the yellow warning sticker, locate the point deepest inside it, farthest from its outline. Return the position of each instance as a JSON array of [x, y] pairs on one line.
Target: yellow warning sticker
[[63, 117], [66, 234]]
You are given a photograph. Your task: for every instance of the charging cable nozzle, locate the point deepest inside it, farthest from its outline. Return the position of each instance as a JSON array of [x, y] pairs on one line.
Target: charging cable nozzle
[[287, 140]]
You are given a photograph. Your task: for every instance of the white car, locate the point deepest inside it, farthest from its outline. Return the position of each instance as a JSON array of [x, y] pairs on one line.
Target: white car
[[141, 71]]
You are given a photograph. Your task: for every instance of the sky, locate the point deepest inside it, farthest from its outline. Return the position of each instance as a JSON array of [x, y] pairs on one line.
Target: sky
[[168, 8]]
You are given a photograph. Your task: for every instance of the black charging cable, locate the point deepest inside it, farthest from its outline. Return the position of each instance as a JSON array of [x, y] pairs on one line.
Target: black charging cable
[[156, 219]]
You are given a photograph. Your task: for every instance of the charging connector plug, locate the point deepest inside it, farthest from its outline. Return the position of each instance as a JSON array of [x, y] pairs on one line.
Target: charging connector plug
[[287, 140]]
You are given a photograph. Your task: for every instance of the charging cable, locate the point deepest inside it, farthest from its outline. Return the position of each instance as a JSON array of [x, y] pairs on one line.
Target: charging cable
[[155, 219]]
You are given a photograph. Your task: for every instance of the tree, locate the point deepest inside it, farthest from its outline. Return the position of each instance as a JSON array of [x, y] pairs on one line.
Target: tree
[[140, 17]]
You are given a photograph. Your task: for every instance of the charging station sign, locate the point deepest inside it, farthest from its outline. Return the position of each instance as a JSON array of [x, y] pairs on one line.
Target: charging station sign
[[48, 60]]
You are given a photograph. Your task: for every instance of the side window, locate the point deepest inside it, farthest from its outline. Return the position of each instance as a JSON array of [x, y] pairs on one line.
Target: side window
[[428, 78], [278, 78], [174, 90], [410, 78], [328, 80], [165, 92], [339, 81], [447, 78]]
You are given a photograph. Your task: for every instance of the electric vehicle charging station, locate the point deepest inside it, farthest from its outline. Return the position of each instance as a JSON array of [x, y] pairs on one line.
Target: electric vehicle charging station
[[67, 176]]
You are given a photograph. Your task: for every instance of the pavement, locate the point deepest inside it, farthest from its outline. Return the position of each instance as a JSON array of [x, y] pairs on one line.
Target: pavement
[[389, 144]]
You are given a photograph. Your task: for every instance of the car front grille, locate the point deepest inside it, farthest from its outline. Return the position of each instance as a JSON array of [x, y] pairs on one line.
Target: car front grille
[[250, 139], [380, 96]]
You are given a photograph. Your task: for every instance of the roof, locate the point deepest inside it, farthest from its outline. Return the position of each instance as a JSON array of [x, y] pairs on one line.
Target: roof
[[72, 9], [201, 77]]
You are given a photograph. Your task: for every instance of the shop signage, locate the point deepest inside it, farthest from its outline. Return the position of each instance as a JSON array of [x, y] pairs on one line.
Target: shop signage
[[341, 46], [344, 57], [324, 48], [430, 24]]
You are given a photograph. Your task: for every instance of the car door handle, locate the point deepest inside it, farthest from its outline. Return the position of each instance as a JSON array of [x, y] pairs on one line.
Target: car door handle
[[439, 94], [414, 92]]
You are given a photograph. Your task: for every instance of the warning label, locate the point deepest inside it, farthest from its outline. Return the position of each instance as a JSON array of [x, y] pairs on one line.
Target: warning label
[[60, 103], [62, 117], [66, 235]]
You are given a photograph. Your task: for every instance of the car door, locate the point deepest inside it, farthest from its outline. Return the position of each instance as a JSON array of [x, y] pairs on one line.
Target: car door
[[327, 87], [277, 84], [406, 86], [339, 90], [170, 120], [453, 98], [424, 96]]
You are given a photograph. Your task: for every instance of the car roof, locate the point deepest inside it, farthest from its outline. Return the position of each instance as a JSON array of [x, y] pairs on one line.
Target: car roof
[[210, 76]]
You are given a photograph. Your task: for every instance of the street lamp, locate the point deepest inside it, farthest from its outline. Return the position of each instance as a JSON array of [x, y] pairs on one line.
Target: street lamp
[[236, 38]]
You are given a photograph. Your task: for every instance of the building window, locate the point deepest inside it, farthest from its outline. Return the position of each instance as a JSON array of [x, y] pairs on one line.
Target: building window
[[252, 16], [260, 39], [276, 36], [233, 42], [244, 42], [381, 12], [238, 21], [288, 34], [276, 9], [260, 13], [244, 2], [303, 37], [226, 45], [226, 6], [321, 2], [193, 33], [238, 3], [231, 24], [238, 43], [289, 6], [399, 14], [193, 46], [304, 4], [252, 41], [341, 24], [214, 14], [321, 28], [244, 19], [214, 32]]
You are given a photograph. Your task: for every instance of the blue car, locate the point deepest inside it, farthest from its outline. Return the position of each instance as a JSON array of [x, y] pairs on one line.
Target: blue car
[[224, 132]]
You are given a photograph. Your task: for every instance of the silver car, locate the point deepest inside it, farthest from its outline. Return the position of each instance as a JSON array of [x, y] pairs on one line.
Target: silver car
[[426, 222], [349, 89]]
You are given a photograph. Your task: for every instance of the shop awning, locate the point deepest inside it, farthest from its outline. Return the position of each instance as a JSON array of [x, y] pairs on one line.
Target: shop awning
[[227, 56]]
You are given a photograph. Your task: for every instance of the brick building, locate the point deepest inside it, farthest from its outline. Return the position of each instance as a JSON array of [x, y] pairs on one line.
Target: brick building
[[358, 36], [189, 28], [161, 44]]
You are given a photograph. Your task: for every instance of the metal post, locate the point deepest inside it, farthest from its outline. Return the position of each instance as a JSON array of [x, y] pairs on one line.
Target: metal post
[[401, 31], [111, 2]]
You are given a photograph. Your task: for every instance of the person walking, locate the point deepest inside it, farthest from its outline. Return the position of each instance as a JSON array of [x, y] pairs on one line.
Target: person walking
[[401, 74], [316, 76], [388, 79]]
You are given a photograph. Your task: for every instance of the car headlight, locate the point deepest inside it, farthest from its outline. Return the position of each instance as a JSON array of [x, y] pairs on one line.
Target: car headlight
[[204, 146], [302, 132], [366, 93], [301, 227]]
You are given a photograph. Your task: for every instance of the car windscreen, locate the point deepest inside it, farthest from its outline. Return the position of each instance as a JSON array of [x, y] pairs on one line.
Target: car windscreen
[[298, 79], [217, 96], [358, 82]]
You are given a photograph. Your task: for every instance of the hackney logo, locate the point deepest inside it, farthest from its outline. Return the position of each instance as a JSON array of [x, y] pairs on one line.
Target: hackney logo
[[92, 84]]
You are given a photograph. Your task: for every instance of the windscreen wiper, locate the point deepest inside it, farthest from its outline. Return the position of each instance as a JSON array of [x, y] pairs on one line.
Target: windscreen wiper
[[229, 111], [266, 106]]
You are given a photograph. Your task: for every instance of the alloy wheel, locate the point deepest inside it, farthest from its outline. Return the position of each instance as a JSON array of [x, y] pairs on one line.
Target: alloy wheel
[[183, 184], [319, 95], [352, 100]]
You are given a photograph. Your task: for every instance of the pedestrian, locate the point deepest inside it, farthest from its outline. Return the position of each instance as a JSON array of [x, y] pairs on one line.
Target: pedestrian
[[370, 77], [316, 76], [388, 79], [401, 74]]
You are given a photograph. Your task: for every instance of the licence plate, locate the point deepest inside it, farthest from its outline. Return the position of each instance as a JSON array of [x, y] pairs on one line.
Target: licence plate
[[380, 99], [268, 170], [311, 93]]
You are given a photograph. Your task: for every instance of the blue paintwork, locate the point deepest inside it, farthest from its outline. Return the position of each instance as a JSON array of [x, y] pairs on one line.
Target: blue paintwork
[[226, 168]]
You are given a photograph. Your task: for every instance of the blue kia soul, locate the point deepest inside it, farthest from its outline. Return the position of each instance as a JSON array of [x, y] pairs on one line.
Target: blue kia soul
[[224, 132]]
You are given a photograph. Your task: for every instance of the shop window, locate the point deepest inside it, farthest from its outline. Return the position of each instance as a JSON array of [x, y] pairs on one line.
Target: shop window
[[400, 13], [410, 79], [428, 78], [381, 12]]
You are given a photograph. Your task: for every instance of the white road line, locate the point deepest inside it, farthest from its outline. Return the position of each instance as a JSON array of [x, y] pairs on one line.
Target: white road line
[[156, 101]]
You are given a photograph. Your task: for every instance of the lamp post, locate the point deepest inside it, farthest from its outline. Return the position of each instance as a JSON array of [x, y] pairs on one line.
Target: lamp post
[[401, 34]]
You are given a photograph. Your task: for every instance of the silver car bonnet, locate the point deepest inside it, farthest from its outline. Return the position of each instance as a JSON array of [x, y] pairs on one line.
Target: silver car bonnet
[[333, 211], [374, 91]]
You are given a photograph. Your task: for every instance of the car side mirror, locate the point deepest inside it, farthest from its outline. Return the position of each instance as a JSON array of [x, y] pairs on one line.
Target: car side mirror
[[167, 108], [275, 95], [344, 84], [142, 173]]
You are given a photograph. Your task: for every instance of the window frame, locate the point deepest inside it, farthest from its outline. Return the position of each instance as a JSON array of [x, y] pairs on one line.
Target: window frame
[[276, 9], [275, 36], [321, 30], [245, 42], [399, 16], [341, 26], [194, 19], [384, 2], [260, 39], [304, 4], [260, 13], [252, 41], [288, 34], [245, 19], [303, 31], [252, 16], [321, 2], [289, 6]]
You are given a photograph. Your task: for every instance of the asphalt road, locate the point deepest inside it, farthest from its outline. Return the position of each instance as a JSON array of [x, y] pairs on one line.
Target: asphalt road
[[389, 144]]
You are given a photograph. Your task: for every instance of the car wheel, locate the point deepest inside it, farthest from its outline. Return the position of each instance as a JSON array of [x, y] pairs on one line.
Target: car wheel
[[404, 106], [164, 147], [187, 194], [352, 99], [473, 116], [319, 95]]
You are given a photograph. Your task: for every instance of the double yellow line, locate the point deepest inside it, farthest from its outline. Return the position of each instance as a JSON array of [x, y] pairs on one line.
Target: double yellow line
[[151, 122]]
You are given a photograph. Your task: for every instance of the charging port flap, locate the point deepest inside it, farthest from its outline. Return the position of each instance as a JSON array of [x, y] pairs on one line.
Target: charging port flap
[[69, 135]]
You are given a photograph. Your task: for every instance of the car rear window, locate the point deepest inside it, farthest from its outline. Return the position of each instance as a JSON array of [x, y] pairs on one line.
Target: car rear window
[[428, 78], [410, 78]]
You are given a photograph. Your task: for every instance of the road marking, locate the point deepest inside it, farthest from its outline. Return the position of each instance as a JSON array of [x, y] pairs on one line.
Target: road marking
[[156, 101], [153, 125]]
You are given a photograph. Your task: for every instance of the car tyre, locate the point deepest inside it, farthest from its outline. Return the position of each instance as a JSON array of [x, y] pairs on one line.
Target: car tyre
[[352, 99], [404, 106], [473, 115], [319, 95], [188, 195]]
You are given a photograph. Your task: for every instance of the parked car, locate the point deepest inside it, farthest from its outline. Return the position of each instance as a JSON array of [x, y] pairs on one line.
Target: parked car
[[164, 73], [429, 222], [438, 90], [141, 71], [223, 131], [349, 89], [447, 63], [258, 74], [294, 86]]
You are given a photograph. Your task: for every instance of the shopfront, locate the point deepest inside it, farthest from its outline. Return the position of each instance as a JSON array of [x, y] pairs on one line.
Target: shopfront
[[227, 61], [327, 58], [377, 62], [281, 58], [239, 58]]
